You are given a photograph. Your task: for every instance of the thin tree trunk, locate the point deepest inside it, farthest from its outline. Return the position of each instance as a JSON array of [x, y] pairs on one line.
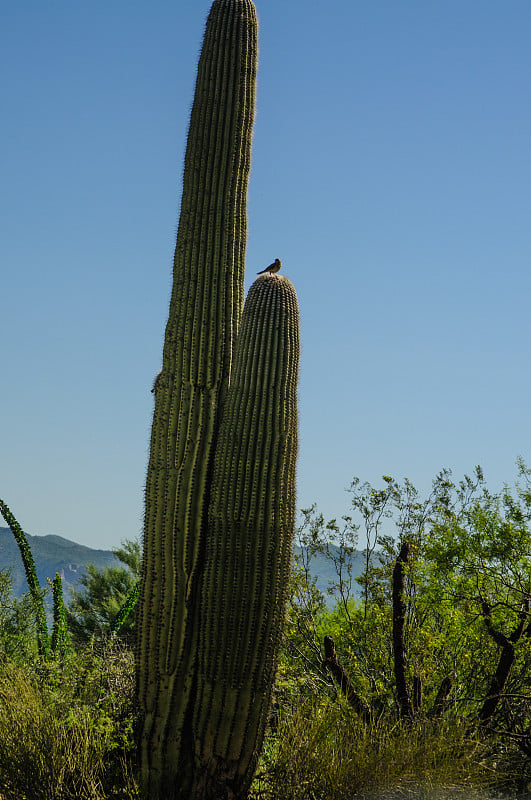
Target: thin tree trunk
[[399, 617], [417, 692], [506, 661]]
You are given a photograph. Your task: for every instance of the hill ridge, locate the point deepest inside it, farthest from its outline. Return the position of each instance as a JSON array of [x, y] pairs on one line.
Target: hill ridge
[[53, 553]]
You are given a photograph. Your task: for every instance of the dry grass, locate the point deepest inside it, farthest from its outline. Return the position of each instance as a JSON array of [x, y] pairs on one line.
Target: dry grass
[[323, 752], [54, 746]]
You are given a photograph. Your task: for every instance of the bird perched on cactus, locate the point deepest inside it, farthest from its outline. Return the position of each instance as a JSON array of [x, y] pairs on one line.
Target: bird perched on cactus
[[274, 267]]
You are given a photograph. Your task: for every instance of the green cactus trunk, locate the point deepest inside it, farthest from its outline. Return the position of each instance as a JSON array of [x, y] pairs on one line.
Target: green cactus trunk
[[59, 643], [249, 543], [43, 638], [204, 315]]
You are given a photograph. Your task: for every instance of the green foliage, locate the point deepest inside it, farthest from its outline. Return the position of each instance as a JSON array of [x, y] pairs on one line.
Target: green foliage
[[467, 594], [67, 724], [126, 609], [130, 554], [321, 751], [66, 729], [43, 638], [60, 639], [107, 600], [18, 641]]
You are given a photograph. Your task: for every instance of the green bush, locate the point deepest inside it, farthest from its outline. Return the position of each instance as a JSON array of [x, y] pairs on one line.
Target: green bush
[[66, 730], [18, 640], [67, 725], [320, 750], [95, 606], [465, 646]]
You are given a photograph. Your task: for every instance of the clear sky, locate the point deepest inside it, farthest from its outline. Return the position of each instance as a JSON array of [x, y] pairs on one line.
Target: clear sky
[[391, 174]]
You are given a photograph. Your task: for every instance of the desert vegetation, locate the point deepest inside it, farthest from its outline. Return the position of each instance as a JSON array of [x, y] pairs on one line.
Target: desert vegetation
[[411, 676], [206, 668], [418, 674]]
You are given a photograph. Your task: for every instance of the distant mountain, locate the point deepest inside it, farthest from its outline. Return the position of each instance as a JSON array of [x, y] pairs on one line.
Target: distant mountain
[[55, 554], [323, 568], [51, 554]]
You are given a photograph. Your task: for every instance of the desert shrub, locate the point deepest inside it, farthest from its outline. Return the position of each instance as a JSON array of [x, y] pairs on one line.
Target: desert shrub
[[18, 641], [66, 729], [94, 606], [465, 645], [320, 750]]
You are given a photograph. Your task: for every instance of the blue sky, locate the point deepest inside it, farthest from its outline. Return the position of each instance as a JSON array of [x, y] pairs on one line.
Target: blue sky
[[391, 174]]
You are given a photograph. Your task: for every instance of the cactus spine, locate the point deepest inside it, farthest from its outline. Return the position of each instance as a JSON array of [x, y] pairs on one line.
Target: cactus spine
[[248, 548], [204, 315]]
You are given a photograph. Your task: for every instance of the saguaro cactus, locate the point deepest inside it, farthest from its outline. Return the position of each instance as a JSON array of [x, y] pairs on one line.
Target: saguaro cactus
[[205, 311], [248, 547], [224, 440]]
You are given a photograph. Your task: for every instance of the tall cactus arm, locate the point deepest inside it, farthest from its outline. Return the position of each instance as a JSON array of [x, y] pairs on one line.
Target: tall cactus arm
[[248, 549], [127, 607], [43, 639], [59, 642], [205, 310]]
